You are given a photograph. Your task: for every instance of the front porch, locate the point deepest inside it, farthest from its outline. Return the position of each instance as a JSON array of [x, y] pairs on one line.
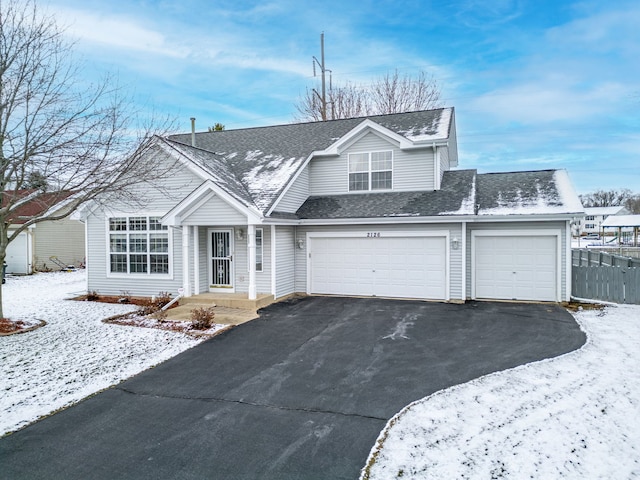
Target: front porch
[[229, 308]]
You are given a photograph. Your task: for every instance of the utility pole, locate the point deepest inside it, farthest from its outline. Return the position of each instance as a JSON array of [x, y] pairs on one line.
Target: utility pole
[[323, 70]]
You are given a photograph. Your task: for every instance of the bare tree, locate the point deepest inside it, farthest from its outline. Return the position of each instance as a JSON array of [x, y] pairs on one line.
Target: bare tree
[[633, 204], [392, 93], [606, 198], [80, 144]]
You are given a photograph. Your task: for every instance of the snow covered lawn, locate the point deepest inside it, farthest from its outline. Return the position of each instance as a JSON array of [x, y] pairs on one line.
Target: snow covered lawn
[[75, 354], [576, 416]]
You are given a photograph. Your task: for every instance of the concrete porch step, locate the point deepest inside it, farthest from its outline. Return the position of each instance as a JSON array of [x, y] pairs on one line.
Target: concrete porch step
[[229, 309], [230, 300], [223, 315]]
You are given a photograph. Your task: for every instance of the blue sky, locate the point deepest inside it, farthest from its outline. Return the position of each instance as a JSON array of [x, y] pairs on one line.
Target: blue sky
[[536, 84]]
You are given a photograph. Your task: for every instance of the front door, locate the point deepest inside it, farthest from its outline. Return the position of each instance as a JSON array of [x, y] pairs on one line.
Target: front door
[[221, 263]]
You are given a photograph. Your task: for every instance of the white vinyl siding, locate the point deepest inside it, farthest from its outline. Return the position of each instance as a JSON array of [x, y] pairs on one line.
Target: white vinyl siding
[[143, 285], [176, 187], [241, 258], [296, 195], [215, 212], [285, 266], [412, 170]]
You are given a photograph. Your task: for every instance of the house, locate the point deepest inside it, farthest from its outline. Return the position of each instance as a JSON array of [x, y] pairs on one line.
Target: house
[[366, 206], [32, 249], [594, 216]]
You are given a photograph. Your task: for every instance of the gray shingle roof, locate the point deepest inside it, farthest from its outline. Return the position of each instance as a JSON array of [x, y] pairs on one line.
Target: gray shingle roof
[[456, 189], [463, 192], [531, 192], [264, 159]]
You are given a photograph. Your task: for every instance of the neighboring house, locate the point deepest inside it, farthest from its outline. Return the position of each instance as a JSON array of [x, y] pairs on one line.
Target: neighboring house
[[594, 216], [31, 250], [364, 206]]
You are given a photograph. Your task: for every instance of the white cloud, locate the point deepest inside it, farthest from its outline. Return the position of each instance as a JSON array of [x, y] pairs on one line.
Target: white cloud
[[115, 31], [546, 101]]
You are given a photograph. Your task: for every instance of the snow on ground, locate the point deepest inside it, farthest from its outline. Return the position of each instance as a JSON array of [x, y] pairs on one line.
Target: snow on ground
[[575, 417], [75, 354]]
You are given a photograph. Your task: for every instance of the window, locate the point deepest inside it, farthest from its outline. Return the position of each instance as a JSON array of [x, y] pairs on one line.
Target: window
[[138, 244], [370, 171], [590, 217], [589, 226], [258, 249]]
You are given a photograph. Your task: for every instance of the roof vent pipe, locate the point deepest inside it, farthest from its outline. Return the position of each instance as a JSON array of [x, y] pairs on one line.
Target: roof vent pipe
[[193, 131]]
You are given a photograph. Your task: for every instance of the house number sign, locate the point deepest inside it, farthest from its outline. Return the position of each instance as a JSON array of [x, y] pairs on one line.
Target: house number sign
[[373, 234]]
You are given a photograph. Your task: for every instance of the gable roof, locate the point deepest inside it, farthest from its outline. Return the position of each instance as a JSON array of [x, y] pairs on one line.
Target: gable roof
[[32, 203], [620, 210], [622, 221], [256, 164], [463, 192]]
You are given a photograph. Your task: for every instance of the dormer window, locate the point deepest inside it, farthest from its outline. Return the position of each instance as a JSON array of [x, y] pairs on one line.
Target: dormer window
[[371, 171]]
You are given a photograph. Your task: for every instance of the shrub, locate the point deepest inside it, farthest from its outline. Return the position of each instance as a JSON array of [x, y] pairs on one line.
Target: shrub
[[150, 306], [202, 318], [125, 297], [162, 299], [93, 295]]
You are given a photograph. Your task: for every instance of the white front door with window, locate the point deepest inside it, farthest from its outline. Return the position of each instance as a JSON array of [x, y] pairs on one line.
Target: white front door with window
[[221, 260]]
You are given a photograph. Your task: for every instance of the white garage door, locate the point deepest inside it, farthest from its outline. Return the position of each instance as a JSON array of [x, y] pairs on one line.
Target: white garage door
[[17, 256], [403, 267], [516, 267]]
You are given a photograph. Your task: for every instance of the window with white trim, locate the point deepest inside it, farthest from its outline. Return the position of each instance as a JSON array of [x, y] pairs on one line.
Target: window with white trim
[[371, 171], [590, 225], [138, 245], [259, 249]]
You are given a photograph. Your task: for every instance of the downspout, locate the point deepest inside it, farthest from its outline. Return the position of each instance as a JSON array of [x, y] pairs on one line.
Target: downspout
[[196, 260], [568, 267], [251, 234], [186, 284], [463, 246], [436, 168], [274, 264]]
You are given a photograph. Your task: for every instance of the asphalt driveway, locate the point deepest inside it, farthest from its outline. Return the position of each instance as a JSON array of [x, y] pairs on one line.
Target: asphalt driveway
[[302, 392]]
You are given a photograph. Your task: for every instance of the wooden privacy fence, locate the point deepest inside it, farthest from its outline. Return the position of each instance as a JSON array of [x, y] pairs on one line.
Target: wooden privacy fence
[[603, 276]]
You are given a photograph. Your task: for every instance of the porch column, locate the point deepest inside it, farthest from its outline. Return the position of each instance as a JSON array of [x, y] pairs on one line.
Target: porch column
[[252, 262], [186, 284], [196, 260]]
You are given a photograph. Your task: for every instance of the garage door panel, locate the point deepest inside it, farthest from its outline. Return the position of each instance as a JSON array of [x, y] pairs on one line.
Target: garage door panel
[[516, 267], [17, 255], [409, 267]]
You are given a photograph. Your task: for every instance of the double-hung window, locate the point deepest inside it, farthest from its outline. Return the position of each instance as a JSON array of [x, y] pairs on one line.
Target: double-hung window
[[138, 245], [371, 171]]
